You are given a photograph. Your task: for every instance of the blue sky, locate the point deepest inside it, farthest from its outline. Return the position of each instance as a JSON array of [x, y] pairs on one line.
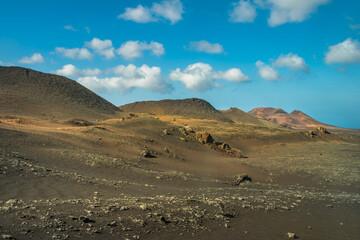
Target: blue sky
[[302, 55]]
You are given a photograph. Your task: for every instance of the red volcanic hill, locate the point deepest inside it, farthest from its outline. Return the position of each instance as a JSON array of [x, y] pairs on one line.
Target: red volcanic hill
[[239, 116], [296, 119], [31, 93]]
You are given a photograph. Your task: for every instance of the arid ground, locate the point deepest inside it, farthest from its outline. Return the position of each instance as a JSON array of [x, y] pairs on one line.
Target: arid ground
[[74, 170]]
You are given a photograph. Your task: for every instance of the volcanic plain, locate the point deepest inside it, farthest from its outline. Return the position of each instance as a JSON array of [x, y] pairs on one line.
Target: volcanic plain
[[74, 166]]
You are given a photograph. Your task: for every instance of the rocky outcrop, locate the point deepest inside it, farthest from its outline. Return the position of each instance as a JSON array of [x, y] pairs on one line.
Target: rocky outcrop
[[318, 131], [207, 139]]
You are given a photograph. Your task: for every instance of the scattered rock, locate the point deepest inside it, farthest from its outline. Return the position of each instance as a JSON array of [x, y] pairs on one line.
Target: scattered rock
[[163, 220], [124, 208], [291, 235], [112, 224], [204, 137], [238, 179], [87, 220], [183, 131], [7, 236], [79, 122], [224, 147], [143, 207], [147, 154], [321, 130], [189, 129]]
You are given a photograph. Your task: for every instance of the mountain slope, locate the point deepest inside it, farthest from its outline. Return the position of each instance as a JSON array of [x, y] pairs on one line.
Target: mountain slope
[[32, 93], [192, 108]]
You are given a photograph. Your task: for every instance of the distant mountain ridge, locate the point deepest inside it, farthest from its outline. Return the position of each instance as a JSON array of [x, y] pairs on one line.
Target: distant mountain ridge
[[28, 92], [191, 107], [296, 119]]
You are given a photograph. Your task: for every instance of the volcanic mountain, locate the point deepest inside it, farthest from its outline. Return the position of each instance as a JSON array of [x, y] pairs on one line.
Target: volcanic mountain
[[296, 119], [192, 108], [32, 93], [239, 116]]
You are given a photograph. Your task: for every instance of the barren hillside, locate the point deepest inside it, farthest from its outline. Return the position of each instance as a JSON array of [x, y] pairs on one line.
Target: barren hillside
[[32, 93], [192, 108]]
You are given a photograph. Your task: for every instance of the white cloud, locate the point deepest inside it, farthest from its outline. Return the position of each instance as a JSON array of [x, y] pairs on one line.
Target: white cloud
[[197, 77], [35, 58], [134, 49], [74, 53], [346, 52], [260, 3], [201, 76], [128, 77], [70, 70], [267, 72], [87, 29], [293, 61], [205, 46], [139, 14], [243, 11], [69, 27], [102, 47], [170, 10], [1, 62], [287, 11], [234, 75]]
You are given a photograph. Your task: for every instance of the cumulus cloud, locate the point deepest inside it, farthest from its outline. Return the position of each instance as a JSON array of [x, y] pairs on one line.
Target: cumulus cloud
[[127, 78], [205, 46], [233, 75], [102, 47], [170, 10], [287, 11], [267, 72], [243, 11], [347, 52], [293, 61], [35, 58], [201, 76], [70, 70], [74, 53], [70, 27], [134, 49], [139, 14], [281, 11]]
